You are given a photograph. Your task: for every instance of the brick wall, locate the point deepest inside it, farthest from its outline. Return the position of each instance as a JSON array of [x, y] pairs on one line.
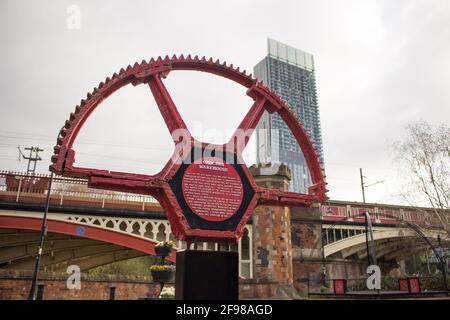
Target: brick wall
[[16, 285]]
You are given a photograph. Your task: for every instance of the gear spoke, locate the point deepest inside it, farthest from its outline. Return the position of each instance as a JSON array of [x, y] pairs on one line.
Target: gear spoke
[[166, 105], [243, 133]]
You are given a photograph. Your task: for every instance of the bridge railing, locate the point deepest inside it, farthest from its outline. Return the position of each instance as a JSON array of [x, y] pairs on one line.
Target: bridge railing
[[22, 188], [428, 284]]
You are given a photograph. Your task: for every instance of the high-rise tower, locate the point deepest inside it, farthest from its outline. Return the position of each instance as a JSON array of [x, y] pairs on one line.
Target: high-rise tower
[[290, 73]]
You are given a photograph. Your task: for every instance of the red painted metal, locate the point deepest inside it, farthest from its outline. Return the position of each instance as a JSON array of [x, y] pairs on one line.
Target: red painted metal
[[340, 286], [414, 285], [403, 285], [109, 236], [152, 73]]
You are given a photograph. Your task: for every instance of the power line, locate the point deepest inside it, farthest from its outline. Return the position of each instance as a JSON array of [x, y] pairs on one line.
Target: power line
[[83, 142]]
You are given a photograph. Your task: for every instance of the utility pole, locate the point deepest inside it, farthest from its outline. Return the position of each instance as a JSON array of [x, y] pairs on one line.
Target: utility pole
[[366, 216], [33, 157], [362, 185], [371, 252]]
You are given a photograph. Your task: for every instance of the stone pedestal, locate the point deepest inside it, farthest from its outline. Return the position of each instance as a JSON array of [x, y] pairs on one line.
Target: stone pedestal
[[272, 247]]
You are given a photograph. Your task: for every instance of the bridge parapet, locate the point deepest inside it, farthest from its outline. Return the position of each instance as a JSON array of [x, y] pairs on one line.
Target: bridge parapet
[[22, 188], [353, 212]]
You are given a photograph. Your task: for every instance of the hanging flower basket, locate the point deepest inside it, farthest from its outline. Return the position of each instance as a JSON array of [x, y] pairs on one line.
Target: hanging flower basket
[[163, 249], [161, 275]]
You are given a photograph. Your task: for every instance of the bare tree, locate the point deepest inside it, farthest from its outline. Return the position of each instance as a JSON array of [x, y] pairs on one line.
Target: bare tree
[[423, 160]]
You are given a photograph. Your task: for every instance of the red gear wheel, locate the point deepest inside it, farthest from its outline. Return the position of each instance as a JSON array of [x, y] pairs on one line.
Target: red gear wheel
[[158, 185]]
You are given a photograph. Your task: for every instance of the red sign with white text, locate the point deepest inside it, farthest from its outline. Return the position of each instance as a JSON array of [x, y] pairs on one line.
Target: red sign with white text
[[212, 189]]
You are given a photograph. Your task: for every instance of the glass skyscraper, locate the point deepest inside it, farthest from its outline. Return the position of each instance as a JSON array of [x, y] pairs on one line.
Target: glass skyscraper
[[290, 73]]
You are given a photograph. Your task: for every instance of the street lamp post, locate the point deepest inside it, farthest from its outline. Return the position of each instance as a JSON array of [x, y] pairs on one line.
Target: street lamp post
[[43, 234], [371, 254], [32, 293]]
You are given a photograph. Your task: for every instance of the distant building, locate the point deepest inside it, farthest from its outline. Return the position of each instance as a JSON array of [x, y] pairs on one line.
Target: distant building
[[289, 72]]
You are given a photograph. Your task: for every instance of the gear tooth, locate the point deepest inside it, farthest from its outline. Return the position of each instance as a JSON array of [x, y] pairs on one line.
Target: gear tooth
[[189, 57], [77, 109], [136, 65], [174, 58], [217, 61], [152, 60], [128, 68], [72, 116], [94, 91], [122, 71], [159, 59], [224, 64], [196, 58], [231, 67], [143, 62], [54, 159], [250, 75], [203, 59], [59, 141], [56, 149], [181, 57], [63, 132], [101, 85], [89, 95], [67, 124], [115, 75], [107, 80], [83, 102], [237, 70], [210, 60], [166, 58]]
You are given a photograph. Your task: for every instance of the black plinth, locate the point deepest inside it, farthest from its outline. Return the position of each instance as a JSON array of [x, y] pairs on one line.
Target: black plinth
[[207, 275]]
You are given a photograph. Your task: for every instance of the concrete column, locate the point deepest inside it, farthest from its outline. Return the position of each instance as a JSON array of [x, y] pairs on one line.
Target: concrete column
[[272, 247], [396, 269]]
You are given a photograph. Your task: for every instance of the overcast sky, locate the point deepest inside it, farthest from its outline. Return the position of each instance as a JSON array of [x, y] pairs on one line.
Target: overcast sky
[[379, 66]]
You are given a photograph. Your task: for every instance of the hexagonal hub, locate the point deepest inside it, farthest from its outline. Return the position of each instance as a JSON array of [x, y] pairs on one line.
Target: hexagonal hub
[[213, 192]]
